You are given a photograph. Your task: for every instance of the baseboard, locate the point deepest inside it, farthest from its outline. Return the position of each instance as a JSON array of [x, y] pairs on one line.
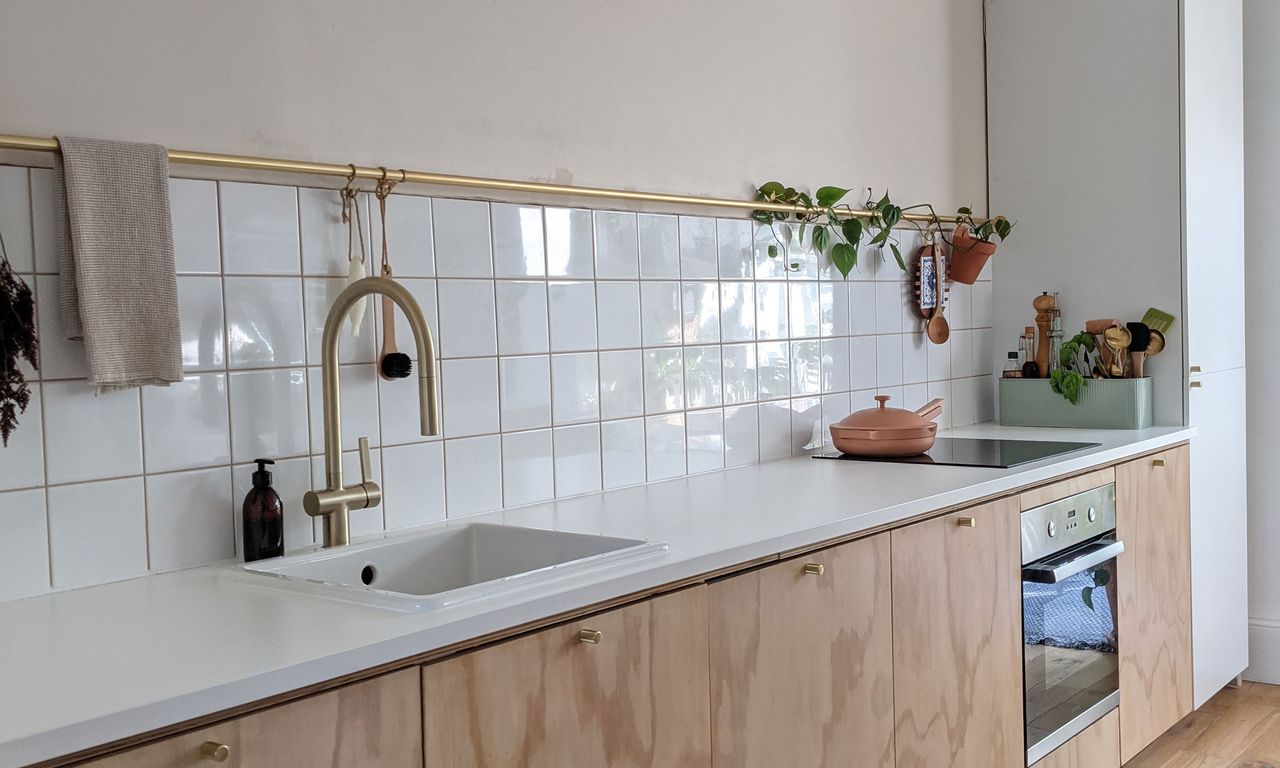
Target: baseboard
[[1264, 651]]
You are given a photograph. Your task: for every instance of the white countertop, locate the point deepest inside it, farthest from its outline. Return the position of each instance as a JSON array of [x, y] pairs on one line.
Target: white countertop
[[90, 666]]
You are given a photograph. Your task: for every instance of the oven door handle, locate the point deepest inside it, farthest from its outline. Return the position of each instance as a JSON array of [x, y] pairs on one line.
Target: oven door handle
[[1053, 571]]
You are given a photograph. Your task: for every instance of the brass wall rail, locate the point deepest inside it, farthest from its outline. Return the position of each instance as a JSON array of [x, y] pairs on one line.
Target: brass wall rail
[[36, 144]]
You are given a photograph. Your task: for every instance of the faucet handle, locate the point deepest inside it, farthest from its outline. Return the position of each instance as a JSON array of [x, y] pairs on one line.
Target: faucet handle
[[366, 466]]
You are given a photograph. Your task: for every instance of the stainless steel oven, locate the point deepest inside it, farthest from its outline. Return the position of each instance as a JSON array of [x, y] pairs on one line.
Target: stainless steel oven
[[1071, 669]]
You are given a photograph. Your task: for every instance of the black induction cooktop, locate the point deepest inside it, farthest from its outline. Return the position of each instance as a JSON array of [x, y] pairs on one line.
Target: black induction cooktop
[[970, 452]]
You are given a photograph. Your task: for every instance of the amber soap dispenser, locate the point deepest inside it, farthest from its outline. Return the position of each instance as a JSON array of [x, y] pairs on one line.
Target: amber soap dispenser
[[263, 517]]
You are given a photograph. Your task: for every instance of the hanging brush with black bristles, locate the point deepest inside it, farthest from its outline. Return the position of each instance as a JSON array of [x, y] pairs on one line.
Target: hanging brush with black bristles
[[18, 341], [392, 363]]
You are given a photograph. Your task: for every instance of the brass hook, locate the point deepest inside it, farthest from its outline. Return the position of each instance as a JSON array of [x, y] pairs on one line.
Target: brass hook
[[351, 177]]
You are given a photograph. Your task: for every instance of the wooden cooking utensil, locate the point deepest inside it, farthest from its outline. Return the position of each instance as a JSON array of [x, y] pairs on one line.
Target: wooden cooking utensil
[[1141, 340], [1156, 345], [1097, 328], [392, 363], [938, 329], [1118, 339]]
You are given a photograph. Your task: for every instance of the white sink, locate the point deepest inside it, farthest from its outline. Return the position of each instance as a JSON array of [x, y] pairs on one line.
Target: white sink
[[453, 565]]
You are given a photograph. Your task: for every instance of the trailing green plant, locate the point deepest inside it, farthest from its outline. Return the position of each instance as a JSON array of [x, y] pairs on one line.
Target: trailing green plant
[[996, 226], [1076, 365], [837, 228]]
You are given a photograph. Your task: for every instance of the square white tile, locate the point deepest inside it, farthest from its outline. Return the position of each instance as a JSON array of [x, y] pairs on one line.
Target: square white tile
[[265, 327], [835, 407], [469, 396], [939, 361], [327, 240], [769, 267], [619, 324], [806, 367], [705, 432], [862, 362], [660, 318], [291, 478], [572, 307], [702, 377], [771, 311], [835, 365], [773, 362], [522, 317], [738, 369], [89, 436], [737, 257], [527, 468], [268, 414], [941, 389], [617, 245], [806, 426], [186, 424], [411, 247], [738, 311], [468, 325], [359, 388], [980, 298], [964, 402], [473, 475], [659, 246], [424, 293], [203, 323], [24, 548], [915, 358], [699, 257], [888, 308], [570, 249], [622, 450], [805, 310], [525, 396], [700, 305], [741, 435], [889, 360], [193, 206], [97, 532], [412, 485], [318, 294], [463, 241], [665, 446], [621, 384], [44, 221], [960, 306], [575, 388], [984, 353], [198, 529], [15, 218], [577, 451], [259, 229], [961, 343], [22, 462], [862, 308], [833, 303], [775, 430], [663, 380], [517, 241]]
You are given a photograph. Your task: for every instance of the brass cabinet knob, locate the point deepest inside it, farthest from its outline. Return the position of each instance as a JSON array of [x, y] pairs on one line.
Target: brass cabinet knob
[[212, 750], [592, 636], [1195, 369], [967, 522], [1196, 384], [815, 569], [1157, 462]]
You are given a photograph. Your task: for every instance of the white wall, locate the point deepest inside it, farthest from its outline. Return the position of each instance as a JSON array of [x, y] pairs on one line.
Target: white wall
[[1262, 199], [666, 95], [1098, 212]]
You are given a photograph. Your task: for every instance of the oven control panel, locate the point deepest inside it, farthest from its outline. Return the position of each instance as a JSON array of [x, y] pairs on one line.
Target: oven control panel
[[1064, 523]]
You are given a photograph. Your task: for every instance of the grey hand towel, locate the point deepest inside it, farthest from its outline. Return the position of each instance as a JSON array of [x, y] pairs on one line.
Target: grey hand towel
[[118, 283]]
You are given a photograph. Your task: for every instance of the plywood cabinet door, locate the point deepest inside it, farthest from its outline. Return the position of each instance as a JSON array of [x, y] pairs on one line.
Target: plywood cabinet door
[[1097, 746], [637, 696], [957, 640], [802, 662], [1154, 588], [375, 722]]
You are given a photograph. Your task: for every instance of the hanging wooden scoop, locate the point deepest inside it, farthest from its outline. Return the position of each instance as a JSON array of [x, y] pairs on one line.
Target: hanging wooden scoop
[[392, 363]]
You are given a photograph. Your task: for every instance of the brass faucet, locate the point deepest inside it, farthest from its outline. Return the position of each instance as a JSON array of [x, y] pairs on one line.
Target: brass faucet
[[336, 501]]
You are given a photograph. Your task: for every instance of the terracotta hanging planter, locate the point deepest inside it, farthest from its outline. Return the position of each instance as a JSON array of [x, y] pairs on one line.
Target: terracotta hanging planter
[[968, 256]]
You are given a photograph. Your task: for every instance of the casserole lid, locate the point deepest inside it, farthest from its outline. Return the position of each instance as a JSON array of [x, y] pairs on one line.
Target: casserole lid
[[893, 423]]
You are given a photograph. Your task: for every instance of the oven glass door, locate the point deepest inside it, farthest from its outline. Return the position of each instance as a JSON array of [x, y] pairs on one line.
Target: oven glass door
[[1069, 634]]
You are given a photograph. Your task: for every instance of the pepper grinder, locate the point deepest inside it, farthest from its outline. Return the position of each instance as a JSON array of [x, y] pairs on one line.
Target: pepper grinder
[[1045, 307]]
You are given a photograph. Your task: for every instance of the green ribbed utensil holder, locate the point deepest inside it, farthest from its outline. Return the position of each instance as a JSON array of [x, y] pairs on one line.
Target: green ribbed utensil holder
[[1104, 404]]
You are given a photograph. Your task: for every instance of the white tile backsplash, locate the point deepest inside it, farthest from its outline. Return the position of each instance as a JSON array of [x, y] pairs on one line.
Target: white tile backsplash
[[15, 218], [633, 348]]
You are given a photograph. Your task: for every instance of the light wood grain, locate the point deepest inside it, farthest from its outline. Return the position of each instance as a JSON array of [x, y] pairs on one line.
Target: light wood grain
[[1154, 589], [1070, 487], [1097, 746], [1238, 728], [373, 723], [547, 700], [957, 639], [802, 664]]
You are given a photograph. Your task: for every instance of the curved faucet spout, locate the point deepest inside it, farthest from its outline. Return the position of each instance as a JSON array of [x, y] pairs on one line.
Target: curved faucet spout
[[336, 501]]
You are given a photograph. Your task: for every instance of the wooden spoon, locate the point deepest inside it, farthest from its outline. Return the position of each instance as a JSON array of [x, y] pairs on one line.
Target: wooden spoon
[[1118, 339], [937, 328]]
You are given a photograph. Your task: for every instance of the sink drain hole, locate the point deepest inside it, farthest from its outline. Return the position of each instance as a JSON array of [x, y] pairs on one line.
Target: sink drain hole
[[368, 574]]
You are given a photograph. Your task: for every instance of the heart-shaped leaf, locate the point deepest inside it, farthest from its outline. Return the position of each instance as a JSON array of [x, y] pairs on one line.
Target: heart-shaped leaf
[[829, 196], [770, 190], [852, 229], [844, 257], [897, 254]]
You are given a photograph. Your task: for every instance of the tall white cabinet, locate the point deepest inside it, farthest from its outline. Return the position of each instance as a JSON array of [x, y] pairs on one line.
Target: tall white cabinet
[[1116, 141]]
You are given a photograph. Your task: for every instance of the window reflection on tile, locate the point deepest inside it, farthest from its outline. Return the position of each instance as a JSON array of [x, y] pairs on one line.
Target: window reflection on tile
[[659, 246], [525, 392], [835, 365], [577, 452], [739, 369], [737, 258], [806, 368], [517, 240], [771, 311], [701, 308], [622, 450], [705, 434], [804, 309], [663, 380], [575, 387], [619, 323], [741, 435], [569, 243], [773, 360], [617, 245], [738, 311], [698, 257], [664, 438], [621, 384], [806, 426], [702, 377], [660, 318]]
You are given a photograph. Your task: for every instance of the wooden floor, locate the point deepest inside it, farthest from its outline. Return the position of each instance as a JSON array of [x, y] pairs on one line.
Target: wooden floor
[[1236, 729]]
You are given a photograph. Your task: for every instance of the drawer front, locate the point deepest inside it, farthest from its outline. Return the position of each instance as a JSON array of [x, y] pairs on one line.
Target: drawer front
[[373, 723]]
